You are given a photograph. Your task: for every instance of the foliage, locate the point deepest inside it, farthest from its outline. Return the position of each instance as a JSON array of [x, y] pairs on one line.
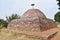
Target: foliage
[[57, 17], [3, 23], [12, 17], [58, 3]]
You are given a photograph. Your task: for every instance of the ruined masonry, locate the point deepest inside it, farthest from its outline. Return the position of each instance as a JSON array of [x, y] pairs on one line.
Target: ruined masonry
[[32, 19]]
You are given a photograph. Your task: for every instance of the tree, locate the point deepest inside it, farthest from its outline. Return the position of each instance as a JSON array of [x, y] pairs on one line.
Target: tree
[[58, 3], [12, 17], [57, 17]]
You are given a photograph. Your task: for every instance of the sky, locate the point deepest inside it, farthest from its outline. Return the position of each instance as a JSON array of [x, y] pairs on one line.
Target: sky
[[8, 7]]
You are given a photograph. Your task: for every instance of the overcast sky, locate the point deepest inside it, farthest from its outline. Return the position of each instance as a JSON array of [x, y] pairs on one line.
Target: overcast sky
[[7, 7]]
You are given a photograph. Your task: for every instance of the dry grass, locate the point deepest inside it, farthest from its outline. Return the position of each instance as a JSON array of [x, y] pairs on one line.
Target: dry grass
[[7, 34]]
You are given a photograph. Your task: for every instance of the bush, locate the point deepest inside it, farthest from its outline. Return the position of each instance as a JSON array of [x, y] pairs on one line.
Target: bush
[[3, 23], [1, 26], [57, 17]]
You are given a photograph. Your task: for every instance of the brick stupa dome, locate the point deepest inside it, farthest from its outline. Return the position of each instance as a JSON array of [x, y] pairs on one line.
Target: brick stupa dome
[[34, 13], [32, 19]]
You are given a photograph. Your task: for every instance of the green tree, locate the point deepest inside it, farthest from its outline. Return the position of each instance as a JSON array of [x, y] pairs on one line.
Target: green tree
[[58, 3], [12, 17], [57, 17]]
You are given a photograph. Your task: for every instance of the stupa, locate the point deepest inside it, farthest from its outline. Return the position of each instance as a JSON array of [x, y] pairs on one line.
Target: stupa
[[32, 19]]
